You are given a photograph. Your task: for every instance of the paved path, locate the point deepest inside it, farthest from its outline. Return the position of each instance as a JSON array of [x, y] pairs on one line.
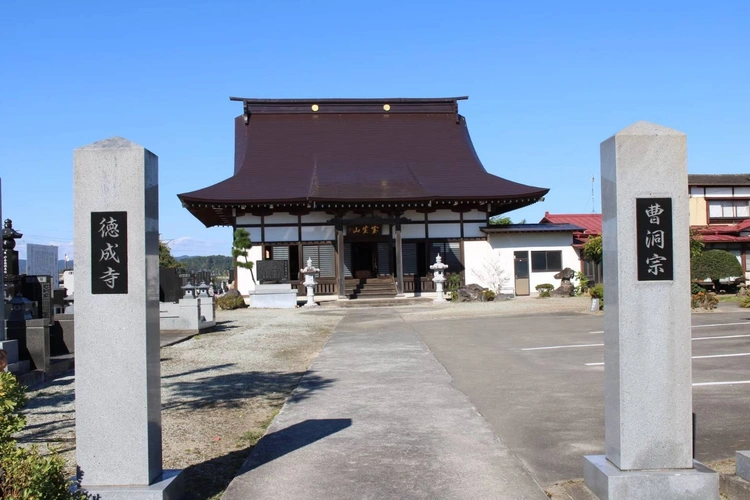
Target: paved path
[[385, 424]]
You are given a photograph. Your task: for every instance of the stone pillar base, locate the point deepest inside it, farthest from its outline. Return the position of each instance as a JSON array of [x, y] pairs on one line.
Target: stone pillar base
[[10, 347], [610, 483], [742, 464], [169, 486]]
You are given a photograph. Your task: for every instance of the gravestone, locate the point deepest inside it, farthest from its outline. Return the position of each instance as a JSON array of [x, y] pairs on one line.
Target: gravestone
[[41, 260], [39, 290], [170, 285], [647, 336], [118, 397]]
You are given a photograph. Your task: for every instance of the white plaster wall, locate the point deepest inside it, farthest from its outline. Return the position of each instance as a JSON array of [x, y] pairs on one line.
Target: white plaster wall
[[475, 215], [317, 217], [244, 279], [413, 215], [506, 244], [471, 229], [318, 233], [279, 234], [445, 230], [488, 267], [412, 230], [248, 219], [281, 218], [443, 215]]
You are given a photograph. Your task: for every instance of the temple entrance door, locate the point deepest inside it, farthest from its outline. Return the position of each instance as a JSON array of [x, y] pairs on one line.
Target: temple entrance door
[[364, 259], [521, 264]]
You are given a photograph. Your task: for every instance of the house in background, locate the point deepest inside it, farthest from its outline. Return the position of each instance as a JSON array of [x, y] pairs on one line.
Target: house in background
[[720, 212], [590, 225]]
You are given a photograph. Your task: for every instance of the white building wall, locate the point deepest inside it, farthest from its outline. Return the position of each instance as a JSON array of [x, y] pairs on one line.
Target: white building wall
[[247, 219], [281, 218], [316, 217], [445, 230], [244, 278], [507, 244], [443, 215]]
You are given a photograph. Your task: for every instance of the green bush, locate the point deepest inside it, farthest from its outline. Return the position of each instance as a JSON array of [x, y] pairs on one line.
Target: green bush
[[597, 292], [715, 265], [453, 283], [26, 473], [583, 284], [228, 302], [544, 289], [488, 295], [745, 301], [705, 300]]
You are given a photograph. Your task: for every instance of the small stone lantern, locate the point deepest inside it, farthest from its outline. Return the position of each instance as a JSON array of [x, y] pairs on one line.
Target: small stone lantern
[[20, 309], [203, 289], [189, 291], [438, 269], [309, 271]]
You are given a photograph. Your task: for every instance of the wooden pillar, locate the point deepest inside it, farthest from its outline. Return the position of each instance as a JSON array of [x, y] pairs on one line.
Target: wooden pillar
[[399, 261], [340, 270]]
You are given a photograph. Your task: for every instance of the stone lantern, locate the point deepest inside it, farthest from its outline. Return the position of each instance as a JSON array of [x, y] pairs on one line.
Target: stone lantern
[[189, 291], [203, 289], [438, 269], [20, 309], [309, 271]]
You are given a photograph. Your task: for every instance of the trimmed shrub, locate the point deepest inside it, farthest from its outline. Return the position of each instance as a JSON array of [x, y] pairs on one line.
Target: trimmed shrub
[[597, 291], [26, 473], [745, 301], [488, 295], [715, 265], [228, 302], [544, 289], [705, 300]]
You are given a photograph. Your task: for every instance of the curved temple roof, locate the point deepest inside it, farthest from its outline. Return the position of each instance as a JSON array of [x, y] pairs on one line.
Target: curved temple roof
[[333, 151]]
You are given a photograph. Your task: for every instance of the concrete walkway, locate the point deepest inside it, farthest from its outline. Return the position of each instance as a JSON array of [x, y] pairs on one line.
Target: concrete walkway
[[381, 421]]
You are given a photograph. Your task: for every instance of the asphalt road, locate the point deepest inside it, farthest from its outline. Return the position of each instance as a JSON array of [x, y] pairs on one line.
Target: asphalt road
[[539, 381]]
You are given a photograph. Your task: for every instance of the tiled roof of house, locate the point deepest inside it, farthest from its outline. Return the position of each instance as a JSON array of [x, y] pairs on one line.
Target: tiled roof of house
[[591, 223], [719, 179], [532, 228]]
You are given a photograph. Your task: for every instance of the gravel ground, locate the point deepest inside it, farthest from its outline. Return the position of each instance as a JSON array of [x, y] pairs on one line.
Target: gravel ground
[[220, 390]]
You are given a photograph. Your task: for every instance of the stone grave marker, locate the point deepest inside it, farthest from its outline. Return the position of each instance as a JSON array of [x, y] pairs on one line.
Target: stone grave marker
[[39, 289], [647, 335], [118, 396], [41, 260]]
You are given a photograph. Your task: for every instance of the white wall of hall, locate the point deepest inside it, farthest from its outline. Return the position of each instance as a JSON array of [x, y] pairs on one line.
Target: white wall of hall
[[244, 278], [505, 245]]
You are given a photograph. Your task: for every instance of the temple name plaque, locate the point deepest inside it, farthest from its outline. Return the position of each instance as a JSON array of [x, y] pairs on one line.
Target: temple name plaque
[[654, 239], [109, 253]]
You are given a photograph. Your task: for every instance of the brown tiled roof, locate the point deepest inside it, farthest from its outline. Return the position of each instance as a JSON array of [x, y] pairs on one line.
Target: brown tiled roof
[[353, 150], [719, 179]]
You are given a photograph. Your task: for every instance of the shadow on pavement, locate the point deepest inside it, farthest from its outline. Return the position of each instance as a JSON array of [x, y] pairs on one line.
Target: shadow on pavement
[[294, 437]]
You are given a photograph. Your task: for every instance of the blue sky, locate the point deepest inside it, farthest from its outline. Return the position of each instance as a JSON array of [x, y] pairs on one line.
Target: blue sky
[[547, 81]]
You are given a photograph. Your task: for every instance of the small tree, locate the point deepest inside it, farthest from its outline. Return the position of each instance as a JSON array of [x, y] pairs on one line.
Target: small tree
[[166, 259], [240, 247], [491, 273], [715, 265], [592, 249]]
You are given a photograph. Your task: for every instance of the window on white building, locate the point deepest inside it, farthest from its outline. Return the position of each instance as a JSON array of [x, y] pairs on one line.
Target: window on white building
[[546, 261]]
